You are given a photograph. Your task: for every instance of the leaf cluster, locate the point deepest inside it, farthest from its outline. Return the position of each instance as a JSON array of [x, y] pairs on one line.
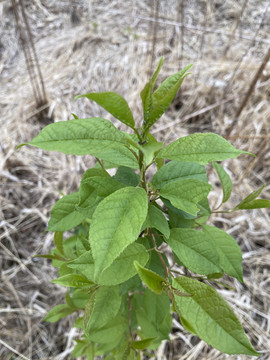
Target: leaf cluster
[[120, 281]]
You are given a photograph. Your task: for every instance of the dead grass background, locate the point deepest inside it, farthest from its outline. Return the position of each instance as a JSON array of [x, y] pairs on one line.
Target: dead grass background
[[112, 48]]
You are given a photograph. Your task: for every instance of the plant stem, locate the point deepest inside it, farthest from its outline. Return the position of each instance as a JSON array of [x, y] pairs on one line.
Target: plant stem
[[159, 254]]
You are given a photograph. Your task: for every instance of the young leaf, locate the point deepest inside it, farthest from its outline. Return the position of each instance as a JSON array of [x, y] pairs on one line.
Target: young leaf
[[250, 203], [195, 250], [58, 241], [116, 223], [184, 194], [58, 312], [230, 255], [176, 170], [225, 180], [73, 280], [211, 317], [154, 281], [64, 215], [114, 104], [122, 268], [157, 220], [201, 148], [146, 94], [164, 95], [104, 305]]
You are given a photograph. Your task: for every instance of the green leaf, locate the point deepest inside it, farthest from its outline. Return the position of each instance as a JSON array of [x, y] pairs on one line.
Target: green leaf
[[156, 219], [142, 344], [73, 280], [176, 170], [149, 149], [113, 331], [114, 104], [64, 215], [83, 348], [184, 194], [102, 307], [230, 255], [116, 223], [154, 281], [84, 264], [225, 180], [58, 241], [104, 186], [122, 268], [127, 176], [211, 317], [146, 93], [200, 148], [249, 202], [58, 312], [164, 95], [195, 250]]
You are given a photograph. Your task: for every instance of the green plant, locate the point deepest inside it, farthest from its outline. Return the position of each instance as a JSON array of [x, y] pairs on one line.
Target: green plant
[[118, 272]]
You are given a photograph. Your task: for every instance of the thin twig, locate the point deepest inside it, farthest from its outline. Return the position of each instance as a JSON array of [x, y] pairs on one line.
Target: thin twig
[[13, 350]]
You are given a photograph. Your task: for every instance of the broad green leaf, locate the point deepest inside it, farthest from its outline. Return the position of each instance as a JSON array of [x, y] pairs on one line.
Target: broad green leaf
[[83, 348], [64, 215], [104, 186], [187, 325], [58, 312], [104, 306], [122, 268], [164, 95], [230, 255], [73, 280], [155, 264], [149, 149], [146, 93], [114, 104], [249, 202], [153, 316], [80, 297], [156, 219], [211, 317], [142, 344], [176, 170], [94, 136], [113, 331], [154, 281], [184, 194], [225, 180], [84, 264], [195, 250], [116, 223], [201, 148], [127, 176]]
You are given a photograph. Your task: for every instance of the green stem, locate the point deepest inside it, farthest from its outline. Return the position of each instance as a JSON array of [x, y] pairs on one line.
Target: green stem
[[159, 254]]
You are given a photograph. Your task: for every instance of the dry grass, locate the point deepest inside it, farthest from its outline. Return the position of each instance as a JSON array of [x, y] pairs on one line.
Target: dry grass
[[111, 50]]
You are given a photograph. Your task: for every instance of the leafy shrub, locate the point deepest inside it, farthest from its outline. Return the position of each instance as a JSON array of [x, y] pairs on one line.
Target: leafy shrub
[[121, 279]]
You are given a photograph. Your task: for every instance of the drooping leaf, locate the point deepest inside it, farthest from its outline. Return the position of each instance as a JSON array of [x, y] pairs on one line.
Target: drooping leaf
[[156, 219], [122, 268], [154, 281], [230, 255], [127, 176], [116, 223], [249, 202], [58, 312], [164, 95], [114, 104], [195, 250], [104, 305], [201, 148], [176, 170], [211, 317], [225, 180], [64, 215], [184, 194], [73, 280]]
